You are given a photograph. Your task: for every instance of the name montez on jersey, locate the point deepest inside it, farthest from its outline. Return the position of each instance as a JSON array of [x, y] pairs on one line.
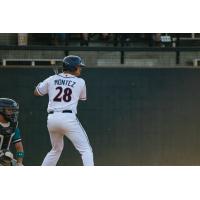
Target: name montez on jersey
[[64, 82]]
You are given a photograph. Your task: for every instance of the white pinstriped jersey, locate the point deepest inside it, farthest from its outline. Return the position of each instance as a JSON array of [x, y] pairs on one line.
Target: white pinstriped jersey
[[64, 90]]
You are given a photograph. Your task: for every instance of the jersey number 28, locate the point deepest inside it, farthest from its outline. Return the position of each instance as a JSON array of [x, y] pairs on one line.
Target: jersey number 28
[[64, 94]]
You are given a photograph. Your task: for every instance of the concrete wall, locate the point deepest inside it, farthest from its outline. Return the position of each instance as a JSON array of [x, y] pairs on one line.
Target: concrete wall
[[108, 59]]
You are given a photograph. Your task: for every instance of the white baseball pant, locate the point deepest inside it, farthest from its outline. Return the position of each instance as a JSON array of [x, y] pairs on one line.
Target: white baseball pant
[[66, 124]]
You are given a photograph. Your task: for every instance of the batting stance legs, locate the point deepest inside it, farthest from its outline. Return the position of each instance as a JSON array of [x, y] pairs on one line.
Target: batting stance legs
[[64, 124]]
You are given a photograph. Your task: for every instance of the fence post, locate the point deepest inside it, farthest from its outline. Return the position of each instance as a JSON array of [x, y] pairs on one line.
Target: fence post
[[177, 57], [22, 39], [122, 57], [177, 51]]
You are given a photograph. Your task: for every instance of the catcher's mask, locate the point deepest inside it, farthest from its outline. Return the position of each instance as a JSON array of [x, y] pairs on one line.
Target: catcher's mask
[[9, 109]]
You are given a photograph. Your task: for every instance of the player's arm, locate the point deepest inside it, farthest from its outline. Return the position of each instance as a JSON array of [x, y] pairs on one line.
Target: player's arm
[[83, 94], [17, 141], [19, 153], [42, 88], [36, 93]]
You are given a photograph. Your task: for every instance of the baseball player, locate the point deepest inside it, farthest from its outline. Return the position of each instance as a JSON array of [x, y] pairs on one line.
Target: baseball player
[[9, 132], [64, 91]]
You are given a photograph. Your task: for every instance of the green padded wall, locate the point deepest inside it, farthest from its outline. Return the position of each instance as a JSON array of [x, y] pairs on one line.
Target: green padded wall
[[132, 116]]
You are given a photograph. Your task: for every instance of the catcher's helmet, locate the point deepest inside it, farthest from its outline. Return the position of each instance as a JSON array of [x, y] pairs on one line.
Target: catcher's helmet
[[9, 109], [71, 62]]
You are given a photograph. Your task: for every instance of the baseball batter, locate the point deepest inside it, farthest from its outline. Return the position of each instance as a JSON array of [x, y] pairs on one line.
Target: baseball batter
[[64, 91]]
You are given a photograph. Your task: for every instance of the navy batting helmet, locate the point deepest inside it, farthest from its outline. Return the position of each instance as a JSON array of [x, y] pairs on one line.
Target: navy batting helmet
[[71, 62], [9, 109]]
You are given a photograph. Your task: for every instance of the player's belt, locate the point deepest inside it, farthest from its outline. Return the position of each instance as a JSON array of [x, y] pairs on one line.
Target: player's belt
[[64, 111]]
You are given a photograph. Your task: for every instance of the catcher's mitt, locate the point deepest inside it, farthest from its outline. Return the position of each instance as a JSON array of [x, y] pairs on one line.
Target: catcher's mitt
[[6, 158]]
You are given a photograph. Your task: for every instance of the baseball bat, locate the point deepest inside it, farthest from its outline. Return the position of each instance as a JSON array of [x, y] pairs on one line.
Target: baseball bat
[[55, 70]]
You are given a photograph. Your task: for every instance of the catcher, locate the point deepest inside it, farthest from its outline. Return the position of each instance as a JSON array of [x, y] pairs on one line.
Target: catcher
[[9, 132]]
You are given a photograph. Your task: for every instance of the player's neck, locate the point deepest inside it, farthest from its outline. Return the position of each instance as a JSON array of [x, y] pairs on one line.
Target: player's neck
[[5, 125], [71, 73]]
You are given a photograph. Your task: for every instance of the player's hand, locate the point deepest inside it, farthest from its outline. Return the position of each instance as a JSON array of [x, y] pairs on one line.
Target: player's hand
[[19, 164]]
